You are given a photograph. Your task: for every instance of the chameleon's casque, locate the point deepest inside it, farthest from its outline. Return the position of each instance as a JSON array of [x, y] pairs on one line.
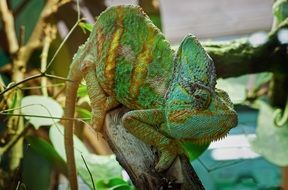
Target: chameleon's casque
[[173, 98]]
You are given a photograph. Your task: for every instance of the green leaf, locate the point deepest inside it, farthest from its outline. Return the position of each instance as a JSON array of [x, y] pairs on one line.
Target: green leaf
[[83, 113], [14, 101], [280, 10], [101, 167], [271, 142], [42, 108], [86, 26], [82, 91], [194, 150], [47, 151], [113, 184], [36, 171]]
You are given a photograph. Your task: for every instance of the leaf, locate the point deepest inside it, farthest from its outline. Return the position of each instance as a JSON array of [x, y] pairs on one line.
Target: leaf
[[83, 113], [13, 103], [42, 108], [235, 87], [82, 91], [113, 184], [86, 26], [262, 78], [101, 167], [47, 151], [194, 150], [35, 173], [271, 142]]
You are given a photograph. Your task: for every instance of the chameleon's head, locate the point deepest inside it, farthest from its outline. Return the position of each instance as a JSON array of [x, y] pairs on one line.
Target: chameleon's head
[[195, 110], [203, 122], [194, 74], [193, 64]]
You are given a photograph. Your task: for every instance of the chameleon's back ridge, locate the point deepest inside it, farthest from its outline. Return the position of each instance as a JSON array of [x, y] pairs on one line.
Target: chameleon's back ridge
[[134, 61]]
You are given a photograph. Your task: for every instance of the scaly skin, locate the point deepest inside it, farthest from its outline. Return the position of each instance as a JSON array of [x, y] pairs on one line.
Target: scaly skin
[[173, 99]]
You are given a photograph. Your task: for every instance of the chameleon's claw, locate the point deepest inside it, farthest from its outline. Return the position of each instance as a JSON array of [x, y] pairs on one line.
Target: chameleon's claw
[[165, 161]]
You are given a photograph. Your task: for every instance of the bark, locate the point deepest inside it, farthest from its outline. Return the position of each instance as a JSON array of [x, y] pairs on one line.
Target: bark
[[138, 159]]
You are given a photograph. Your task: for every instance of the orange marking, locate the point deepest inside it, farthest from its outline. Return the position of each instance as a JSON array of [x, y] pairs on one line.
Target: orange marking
[[100, 41], [179, 116]]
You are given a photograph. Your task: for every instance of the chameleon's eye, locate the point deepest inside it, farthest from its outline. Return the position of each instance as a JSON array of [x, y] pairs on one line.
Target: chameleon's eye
[[202, 98]]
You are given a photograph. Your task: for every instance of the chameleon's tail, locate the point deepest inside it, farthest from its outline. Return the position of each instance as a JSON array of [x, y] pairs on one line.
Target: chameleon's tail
[[72, 85]]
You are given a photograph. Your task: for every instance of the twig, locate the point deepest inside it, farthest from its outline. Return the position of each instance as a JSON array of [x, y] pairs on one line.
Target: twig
[[34, 41], [14, 126], [21, 36], [62, 43], [14, 140], [5, 68], [32, 78], [8, 21], [90, 174], [48, 117], [50, 34]]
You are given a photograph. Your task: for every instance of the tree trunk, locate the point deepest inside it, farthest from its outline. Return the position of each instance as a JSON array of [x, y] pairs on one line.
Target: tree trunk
[[138, 159]]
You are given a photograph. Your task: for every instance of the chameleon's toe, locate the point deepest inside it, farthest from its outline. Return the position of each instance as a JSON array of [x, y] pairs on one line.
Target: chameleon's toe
[[165, 161]]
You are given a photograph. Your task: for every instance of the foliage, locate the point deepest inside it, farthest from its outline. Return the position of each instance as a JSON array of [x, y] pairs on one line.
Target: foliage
[[102, 167], [43, 107], [271, 141]]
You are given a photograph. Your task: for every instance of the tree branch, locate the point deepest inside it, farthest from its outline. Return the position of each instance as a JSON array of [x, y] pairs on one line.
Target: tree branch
[[8, 21], [50, 8], [138, 159], [240, 57]]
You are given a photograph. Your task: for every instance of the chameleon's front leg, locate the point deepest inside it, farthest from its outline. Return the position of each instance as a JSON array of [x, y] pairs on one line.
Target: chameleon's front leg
[[145, 125], [100, 102]]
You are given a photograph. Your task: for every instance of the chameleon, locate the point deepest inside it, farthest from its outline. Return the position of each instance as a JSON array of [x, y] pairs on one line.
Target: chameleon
[[172, 96]]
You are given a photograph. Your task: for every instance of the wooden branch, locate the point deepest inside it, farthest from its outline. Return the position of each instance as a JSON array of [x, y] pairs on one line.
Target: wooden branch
[[8, 21], [50, 35], [138, 159], [34, 41], [240, 57]]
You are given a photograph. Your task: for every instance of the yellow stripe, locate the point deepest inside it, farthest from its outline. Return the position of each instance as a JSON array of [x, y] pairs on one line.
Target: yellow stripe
[[140, 69], [109, 71]]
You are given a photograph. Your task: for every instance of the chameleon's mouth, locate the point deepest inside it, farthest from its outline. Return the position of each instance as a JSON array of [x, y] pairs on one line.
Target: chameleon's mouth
[[209, 138]]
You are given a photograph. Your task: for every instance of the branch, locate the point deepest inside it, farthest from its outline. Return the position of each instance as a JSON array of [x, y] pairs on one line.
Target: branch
[[8, 21], [50, 34], [50, 8], [138, 160], [240, 57]]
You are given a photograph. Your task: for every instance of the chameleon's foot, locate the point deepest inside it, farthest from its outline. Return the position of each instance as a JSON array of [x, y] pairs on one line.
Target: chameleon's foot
[[165, 161]]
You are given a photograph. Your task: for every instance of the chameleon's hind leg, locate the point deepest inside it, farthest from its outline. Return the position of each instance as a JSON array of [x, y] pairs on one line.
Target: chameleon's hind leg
[[145, 125], [100, 102]]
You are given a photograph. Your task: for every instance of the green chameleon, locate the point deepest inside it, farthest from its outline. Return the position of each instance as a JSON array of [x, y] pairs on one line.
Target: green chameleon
[[173, 98]]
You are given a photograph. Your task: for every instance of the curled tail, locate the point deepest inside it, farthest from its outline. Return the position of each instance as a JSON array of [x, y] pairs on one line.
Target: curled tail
[[72, 85]]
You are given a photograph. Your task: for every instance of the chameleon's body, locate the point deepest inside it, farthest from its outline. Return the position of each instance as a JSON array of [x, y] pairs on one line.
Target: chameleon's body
[[127, 60]]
